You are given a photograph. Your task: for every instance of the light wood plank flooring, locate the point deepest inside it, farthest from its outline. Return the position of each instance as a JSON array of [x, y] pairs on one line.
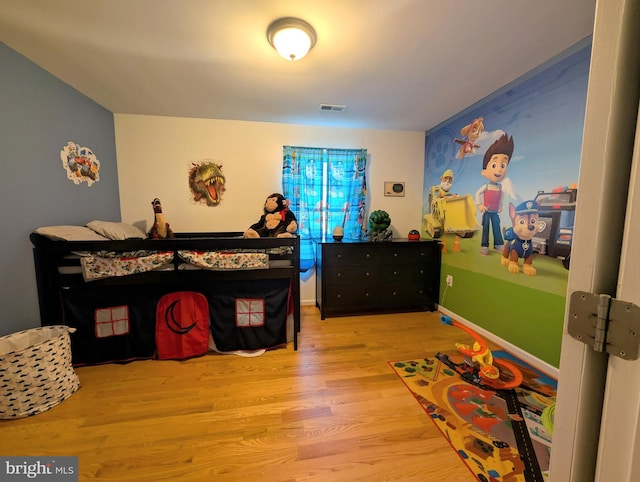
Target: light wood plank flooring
[[332, 411]]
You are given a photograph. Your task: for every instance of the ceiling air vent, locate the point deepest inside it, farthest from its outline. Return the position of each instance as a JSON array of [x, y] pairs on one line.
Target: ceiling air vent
[[333, 107]]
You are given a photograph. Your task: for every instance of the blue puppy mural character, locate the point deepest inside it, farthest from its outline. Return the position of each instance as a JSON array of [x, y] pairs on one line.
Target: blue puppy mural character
[[524, 220]]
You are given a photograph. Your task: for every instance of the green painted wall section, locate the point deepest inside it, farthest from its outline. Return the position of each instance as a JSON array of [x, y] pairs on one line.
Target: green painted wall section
[[504, 308]]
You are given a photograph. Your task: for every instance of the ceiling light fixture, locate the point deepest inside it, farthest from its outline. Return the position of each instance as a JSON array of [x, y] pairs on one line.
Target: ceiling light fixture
[[291, 37]]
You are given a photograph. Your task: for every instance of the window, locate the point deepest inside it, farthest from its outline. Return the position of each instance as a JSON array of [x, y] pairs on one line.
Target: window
[[112, 321], [249, 312], [326, 188]]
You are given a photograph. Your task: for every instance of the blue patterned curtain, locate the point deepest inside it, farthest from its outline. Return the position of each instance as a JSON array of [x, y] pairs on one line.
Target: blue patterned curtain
[[326, 188]]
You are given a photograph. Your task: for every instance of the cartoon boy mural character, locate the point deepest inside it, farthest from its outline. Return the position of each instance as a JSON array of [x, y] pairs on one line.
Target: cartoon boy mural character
[[489, 196]]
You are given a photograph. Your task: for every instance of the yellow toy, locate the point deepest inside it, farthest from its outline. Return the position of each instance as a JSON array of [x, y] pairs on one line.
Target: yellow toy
[[481, 359]]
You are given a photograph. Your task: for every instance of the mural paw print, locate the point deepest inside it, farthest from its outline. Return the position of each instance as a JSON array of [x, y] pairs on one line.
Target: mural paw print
[[441, 150]]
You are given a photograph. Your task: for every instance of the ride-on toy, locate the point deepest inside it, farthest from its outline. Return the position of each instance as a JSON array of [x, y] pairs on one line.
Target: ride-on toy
[[481, 367]]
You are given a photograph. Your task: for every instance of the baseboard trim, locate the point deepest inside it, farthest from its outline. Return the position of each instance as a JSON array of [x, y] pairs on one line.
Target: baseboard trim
[[535, 362]]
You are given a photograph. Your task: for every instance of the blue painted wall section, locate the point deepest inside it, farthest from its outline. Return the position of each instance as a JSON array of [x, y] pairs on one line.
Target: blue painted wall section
[[39, 115]]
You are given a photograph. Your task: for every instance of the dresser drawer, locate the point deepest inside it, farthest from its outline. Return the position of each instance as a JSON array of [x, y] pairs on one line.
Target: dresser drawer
[[358, 298], [350, 254], [412, 295], [355, 296], [363, 274], [409, 272], [412, 254]]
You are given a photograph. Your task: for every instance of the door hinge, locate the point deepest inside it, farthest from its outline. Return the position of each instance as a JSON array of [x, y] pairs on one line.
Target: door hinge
[[606, 324]]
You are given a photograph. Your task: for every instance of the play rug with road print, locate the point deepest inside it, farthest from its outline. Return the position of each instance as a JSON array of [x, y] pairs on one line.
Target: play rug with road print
[[501, 432]]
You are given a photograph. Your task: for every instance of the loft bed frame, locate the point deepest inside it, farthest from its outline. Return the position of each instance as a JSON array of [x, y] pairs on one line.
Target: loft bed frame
[[57, 268]]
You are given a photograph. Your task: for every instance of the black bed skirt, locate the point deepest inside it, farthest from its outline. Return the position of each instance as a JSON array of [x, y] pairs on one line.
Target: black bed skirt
[[118, 324]]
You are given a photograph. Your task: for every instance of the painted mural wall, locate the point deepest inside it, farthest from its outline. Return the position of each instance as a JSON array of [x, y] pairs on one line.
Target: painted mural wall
[[500, 185]]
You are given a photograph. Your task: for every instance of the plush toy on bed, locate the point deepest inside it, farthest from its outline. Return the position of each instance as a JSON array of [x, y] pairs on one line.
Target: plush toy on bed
[[160, 228], [276, 222]]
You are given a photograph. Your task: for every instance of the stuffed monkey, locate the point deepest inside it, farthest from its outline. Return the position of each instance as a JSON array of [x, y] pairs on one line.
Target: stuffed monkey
[[276, 222]]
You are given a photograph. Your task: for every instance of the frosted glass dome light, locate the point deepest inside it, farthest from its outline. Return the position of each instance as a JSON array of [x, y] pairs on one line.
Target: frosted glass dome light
[[291, 37]]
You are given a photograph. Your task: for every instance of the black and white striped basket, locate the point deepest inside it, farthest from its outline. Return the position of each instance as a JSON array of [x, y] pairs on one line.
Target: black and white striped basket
[[36, 372]]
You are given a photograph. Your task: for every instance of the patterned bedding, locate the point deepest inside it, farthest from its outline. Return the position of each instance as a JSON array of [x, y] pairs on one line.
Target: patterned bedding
[[225, 260], [107, 264]]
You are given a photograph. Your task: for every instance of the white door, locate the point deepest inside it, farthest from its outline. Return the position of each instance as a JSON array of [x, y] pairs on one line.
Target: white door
[[597, 433], [619, 452]]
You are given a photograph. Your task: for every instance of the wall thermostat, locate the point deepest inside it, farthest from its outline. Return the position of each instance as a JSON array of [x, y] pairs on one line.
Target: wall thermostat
[[392, 188]]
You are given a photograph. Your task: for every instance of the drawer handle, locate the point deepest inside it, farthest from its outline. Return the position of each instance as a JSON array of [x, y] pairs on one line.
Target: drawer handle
[[395, 255], [421, 271], [395, 273], [368, 255], [339, 296], [339, 256], [339, 274], [366, 294], [367, 274], [394, 293]]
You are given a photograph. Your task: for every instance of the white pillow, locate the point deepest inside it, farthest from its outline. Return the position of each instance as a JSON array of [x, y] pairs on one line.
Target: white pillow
[[116, 231], [70, 233]]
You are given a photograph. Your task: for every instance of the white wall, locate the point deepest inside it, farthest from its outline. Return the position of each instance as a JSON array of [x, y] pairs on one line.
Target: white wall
[[154, 155]]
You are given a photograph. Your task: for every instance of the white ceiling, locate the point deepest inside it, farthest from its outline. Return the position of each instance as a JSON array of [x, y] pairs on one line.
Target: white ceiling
[[395, 64]]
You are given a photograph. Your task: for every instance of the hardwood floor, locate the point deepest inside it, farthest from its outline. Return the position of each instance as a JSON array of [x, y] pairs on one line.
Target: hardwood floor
[[332, 411]]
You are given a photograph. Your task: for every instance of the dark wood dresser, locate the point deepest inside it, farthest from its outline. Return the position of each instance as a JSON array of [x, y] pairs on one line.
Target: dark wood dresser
[[354, 278]]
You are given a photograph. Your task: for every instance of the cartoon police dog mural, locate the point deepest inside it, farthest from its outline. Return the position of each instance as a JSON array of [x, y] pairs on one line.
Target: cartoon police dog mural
[[525, 224]]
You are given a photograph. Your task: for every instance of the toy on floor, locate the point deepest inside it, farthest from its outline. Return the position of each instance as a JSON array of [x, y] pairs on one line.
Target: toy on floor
[[492, 372], [160, 228], [276, 222]]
